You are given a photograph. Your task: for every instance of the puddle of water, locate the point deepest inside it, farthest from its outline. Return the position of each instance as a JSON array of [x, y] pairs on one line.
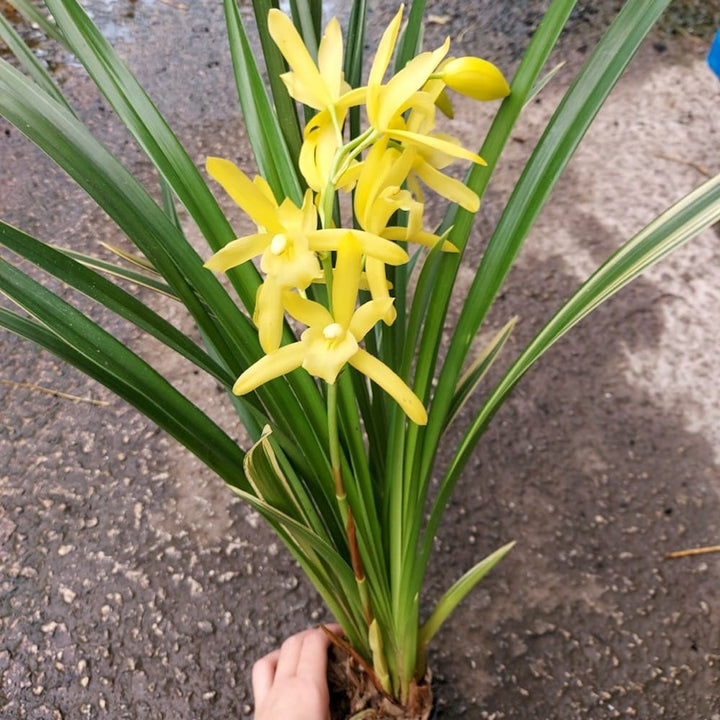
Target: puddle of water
[[110, 17]]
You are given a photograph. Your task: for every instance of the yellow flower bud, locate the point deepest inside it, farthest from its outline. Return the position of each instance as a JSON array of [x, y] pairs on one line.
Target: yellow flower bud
[[475, 78]]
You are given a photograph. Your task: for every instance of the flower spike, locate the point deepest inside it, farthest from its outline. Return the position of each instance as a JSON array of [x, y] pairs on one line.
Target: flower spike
[[332, 339]]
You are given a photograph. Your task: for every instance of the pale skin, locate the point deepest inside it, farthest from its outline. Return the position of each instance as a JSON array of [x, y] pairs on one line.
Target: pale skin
[[291, 683]]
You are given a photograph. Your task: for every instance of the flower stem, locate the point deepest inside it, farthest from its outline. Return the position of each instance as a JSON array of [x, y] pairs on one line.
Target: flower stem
[[345, 510]]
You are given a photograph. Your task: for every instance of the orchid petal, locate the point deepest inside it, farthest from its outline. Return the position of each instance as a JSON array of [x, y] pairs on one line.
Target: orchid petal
[[305, 83], [422, 112], [351, 98], [437, 158], [306, 93], [368, 315], [435, 143], [393, 385], [264, 187], [242, 190], [268, 315], [306, 311], [236, 252], [346, 279], [370, 176], [372, 245], [379, 286], [448, 187], [330, 58], [308, 221], [407, 82], [395, 232], [415, 188], [277, 363], [318, 150], [393, 199], [385, 49]]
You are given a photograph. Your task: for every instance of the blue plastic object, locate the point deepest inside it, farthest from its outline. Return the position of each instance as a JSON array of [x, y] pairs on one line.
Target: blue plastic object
[[714, 55]]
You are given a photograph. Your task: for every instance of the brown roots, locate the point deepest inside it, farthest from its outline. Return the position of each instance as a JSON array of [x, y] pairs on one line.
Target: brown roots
[[353, 695]]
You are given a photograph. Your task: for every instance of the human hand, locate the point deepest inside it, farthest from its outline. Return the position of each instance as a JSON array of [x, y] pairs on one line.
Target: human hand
[[291, 683]]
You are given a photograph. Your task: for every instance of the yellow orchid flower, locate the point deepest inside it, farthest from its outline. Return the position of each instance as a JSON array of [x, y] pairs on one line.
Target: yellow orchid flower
[[318, 86], [379, 194], [321, 86], [284, 233], [386, 103], [288, 236], [288, 241], [319, 151], [332, 339], [428, 161]]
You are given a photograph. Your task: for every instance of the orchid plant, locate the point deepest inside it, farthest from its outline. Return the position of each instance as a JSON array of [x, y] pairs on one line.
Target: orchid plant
[[332, 353]]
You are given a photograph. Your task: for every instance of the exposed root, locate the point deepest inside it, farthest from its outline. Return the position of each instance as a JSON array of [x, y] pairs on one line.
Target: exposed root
[[354, 696]]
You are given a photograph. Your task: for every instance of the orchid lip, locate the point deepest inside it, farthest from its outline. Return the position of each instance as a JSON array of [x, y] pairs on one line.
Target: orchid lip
[[278, 244], [333, 331]]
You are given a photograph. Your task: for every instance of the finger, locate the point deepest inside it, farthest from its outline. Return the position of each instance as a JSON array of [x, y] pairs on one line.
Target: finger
[[290, 655], [312, 663], [263, 675], [334, 628]]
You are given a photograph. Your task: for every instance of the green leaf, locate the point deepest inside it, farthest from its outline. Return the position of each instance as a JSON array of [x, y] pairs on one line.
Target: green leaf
[[354, 50], [275, 162], [328, 571], [35, 17], [168, 203], [354, 43], [149, 128], [479, 368], [29, 62], [543, 81], [440, 275], [677, 225], [109, 295], [561, 138], [683, 221], [229, 332], [58, 133], [138, 278], [275, 64], [100, 355], [554, 150], [458, 222], [452, 598], [272, 486], [132, 258]]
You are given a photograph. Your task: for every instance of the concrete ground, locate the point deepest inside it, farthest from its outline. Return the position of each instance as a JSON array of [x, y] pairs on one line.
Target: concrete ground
[[134, 585]]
